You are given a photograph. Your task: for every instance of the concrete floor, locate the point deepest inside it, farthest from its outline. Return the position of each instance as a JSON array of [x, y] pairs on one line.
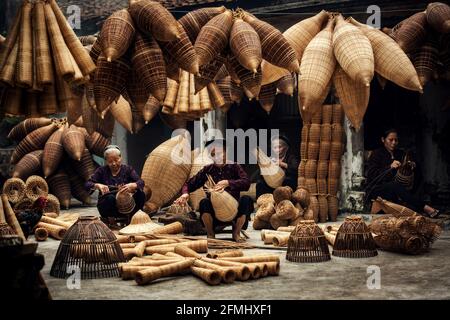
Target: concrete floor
[[402, 277]]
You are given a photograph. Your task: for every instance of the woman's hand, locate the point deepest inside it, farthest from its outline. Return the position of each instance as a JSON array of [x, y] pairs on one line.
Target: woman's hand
[[395, 164], [104, 189], [130, 187], [182, 200], [221, 185], [282, 164]]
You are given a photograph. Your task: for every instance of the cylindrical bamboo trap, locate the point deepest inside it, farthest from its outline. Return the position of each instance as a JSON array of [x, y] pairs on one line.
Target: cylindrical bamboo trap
[[53, 230], [24, 65], [40, 234], [186, 252], [56, 222], [28, 165], [256, 258], [146, 276], [171, 228], [227, 274], [211, 277]]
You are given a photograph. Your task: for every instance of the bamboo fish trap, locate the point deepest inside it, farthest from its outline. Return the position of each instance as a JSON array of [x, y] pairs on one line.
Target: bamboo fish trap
[[354, 239], [225, 206], [91, 246], [307, 244], [117, 34], [245, 45], [272, 173], [194, 20]]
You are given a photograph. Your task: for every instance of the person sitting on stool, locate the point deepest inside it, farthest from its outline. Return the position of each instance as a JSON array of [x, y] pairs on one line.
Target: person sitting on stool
[[111, 178], [229, 176]]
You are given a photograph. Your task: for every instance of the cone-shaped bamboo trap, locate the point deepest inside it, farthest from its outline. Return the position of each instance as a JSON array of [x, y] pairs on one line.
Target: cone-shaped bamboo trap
[[307, 243], [92, 247], [354, 240]]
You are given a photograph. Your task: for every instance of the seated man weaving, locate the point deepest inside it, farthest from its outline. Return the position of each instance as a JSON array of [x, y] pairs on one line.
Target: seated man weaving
[[229, 177]]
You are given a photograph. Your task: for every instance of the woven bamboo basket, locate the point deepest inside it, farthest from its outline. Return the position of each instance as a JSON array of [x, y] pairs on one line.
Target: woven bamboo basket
[[285, 85], [275, 48], [121, 111], [438, 16], [285, 210], [14, 188], [391, 208], [208, 72], [80, 55], [199, 161], [36, 187], [110, 81], [322, 169], [117, 34], [412, 32], [245, 45], [314, 206], [354, 239], [259, 224], [353, 96], [282, 193], [182, 52], [137, 93], [338, 114], [272, 174], [311, 169], [390, 60], [224, 87], [327, 113], [301, 196], [77, 187], [307, 244], [28, 165], [333, 208], [333, 186], [163, 174], [85, 167], [151, 109], [155, 20], [336, 150], [194, 20], [265, 198], [250, 82], [426, 60], [316, 69], [302, 168], [311, 185], [60, 187], [9, 42], [316, 118], [96, 143], [412, 245], [337, 132], [171, 94], [304, 140], [353, 51], [313, 150], [314, 133], [91, 246], [12, 102], [334, 169], [148, 63], [125, 202], [8, 73], [216, 97], [265, 211], [276, 222], [182, 103], [267, 96], [33, 141], [48, 100], [88, 40], [225, 206], [323, 208], [31, 101], [53, 152], [74, 142], [213, 37], [60, 51], [24, 64], [53, 205], [322, 187]]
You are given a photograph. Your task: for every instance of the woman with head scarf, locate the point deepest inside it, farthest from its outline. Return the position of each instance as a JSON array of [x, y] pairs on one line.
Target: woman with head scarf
[[112, 178], [281, 155]]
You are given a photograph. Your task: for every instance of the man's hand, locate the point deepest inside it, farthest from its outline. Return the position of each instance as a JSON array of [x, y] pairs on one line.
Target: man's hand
[[221, 185], [182, 200], [104, 189], [130, 187], [395, 164]]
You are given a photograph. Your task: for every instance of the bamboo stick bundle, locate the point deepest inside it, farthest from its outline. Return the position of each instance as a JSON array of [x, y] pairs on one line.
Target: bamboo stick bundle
[[186, 252], [53, 230], [8, 71], [146, 276], [256, 258], [56, 222], [227, 274], [82, 58], [10, 217], [211, 277], [40, 234]]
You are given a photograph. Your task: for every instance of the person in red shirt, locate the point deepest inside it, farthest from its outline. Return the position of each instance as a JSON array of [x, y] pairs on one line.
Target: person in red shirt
[[229, 176]]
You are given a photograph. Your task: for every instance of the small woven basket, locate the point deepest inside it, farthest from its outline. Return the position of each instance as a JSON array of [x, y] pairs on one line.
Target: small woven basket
[[307, 243], [354, 239], [125, 202], [14, 189], [91, 247], [36, 187]]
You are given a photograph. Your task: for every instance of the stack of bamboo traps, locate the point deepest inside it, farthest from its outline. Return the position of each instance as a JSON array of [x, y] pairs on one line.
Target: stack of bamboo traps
[[41, 60], [277, 238], [60, 153], [55, 228], [322, 146]]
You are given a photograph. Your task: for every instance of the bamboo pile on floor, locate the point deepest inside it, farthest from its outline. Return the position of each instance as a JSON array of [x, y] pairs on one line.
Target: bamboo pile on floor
[[51, 227], [41, 59], [322, 146], [185, 258]]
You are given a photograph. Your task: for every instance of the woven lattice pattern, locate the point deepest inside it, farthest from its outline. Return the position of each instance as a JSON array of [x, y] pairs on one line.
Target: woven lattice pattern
[[245, 45], [412, 32], [117, 34]]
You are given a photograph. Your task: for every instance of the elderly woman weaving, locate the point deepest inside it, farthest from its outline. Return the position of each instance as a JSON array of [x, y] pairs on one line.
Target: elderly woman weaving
[[112, 178]]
